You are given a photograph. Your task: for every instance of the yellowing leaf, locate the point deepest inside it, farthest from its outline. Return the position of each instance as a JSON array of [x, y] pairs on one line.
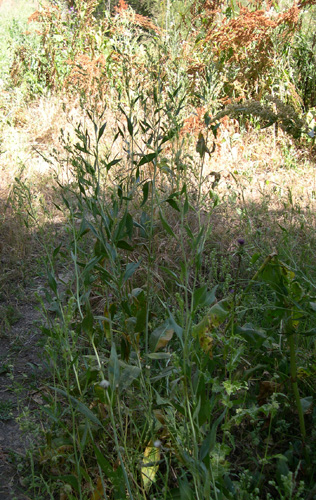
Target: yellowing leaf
[[150, 465], [206, 343], [99, 491], [160, 337], [215, 317], [163, 341]]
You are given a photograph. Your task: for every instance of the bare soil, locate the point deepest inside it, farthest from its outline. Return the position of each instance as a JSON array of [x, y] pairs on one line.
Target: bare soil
[[21, 372]]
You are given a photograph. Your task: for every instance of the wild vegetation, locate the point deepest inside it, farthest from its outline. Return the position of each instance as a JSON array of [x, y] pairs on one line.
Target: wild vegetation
[[158, 164]]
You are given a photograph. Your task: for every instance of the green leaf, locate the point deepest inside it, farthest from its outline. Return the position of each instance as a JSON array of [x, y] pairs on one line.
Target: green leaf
[[210, 440], [114, 368], [186, 206], [87, 322], [83, 409], [185, 491], [129, 225], [69, 479], [130, 270], [145, 192], [103, 462], [173, 204], [128, 375], [216, 315], [124, 245], [130, 126], [166, 225], [56, 250], [255, 336], [101, 131], [148, 158], [168, 136], [306, 403], [178, 329], [202, 298], [141, 317], [111, 163], [255, 257], [52, 282], [159, 355]]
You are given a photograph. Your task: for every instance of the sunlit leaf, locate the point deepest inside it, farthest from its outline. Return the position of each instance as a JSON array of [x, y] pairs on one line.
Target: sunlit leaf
[[150, 465]]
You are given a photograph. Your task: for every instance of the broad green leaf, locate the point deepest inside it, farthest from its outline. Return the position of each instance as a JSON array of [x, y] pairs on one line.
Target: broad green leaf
[[124, 245], [178, 329], [201, 297], [130, 126], [129, 225], [128, 375], [306, 403], [173, 204], [186, 206], [70, 479], [255, 336], [186, 492], [87, 322], [216, 315], [130, 270]]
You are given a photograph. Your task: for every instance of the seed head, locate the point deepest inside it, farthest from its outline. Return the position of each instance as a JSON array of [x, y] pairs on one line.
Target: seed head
[[105, 384]]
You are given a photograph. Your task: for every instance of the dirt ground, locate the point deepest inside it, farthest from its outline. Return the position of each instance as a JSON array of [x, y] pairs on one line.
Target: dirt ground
[[21, 369], [20, 366]]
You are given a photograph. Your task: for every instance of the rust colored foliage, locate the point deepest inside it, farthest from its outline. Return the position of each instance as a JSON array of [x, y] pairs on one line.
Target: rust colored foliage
[[122, 5], [141, 21], [243, 41], [87, 74], [248, 29]]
